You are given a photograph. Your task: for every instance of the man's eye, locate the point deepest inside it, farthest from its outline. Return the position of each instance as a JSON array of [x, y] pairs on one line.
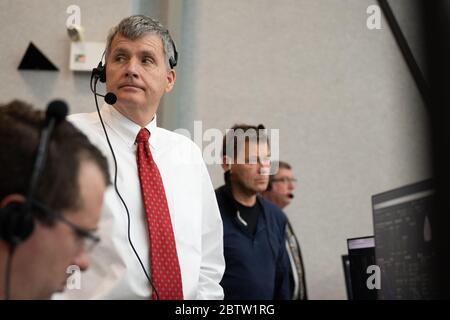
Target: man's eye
[[147, 60], [119, 59]]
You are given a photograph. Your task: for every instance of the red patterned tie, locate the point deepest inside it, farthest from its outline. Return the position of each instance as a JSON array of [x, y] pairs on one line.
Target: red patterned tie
[[166, 275]]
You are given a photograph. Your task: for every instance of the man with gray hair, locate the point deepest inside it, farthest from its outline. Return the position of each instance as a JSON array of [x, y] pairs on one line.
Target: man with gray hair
[[162, 230]]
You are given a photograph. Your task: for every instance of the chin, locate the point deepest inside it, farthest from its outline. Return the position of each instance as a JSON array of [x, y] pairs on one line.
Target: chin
[[129, 98], [127, 102], [260, 189]]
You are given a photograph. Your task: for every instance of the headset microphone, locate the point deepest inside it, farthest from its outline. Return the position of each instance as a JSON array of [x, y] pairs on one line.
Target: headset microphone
[[291, 196], [110, 98]]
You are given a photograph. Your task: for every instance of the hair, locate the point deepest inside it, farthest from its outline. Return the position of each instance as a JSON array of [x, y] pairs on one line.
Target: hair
[[242, 132], [58, 186], [134, 27], [280, 165]]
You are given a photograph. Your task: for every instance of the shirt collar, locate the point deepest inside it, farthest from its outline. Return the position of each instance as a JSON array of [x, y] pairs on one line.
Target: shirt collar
[[126, 129]]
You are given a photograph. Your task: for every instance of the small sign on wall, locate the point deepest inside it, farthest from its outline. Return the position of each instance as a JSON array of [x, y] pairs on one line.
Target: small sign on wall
[[84, 56]]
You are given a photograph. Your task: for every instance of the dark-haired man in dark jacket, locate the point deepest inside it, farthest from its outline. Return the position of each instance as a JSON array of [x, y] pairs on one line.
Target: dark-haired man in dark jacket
[[257, 265]]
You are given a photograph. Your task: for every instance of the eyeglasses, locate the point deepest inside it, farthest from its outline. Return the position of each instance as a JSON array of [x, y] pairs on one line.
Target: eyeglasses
[[285, 180], [89, 239]]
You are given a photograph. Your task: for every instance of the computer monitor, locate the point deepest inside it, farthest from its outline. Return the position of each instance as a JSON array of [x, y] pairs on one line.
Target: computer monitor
[[361, 255], [403, 235]]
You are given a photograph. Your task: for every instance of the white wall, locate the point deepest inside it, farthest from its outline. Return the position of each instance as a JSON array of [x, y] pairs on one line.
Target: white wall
[[351, 121]]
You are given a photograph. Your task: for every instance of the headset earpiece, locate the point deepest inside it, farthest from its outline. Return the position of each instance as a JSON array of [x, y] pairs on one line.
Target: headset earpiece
[[173, 60], [16, 223], [100, 72], [102, 77]]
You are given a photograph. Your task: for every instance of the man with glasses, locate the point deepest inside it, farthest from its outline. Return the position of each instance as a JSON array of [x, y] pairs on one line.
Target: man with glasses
[[256, 262], [280, 192], [44, 235]]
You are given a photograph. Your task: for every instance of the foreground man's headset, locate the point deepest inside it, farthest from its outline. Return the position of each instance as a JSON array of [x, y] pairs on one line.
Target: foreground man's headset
[[16, 218]]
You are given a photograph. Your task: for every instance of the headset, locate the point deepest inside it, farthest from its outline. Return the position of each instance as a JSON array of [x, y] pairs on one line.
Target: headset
[[16, 218], [16, 223]]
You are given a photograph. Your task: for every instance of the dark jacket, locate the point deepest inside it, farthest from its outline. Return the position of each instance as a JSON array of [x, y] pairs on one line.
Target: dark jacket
[[256, 266]]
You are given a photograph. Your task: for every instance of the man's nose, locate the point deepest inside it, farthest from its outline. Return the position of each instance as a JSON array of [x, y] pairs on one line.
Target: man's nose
[[82, 260], [132, 69], [264, 169], [291, 185]]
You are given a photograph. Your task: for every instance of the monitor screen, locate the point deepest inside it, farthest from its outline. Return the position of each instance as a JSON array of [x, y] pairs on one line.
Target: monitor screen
[[403, 238]]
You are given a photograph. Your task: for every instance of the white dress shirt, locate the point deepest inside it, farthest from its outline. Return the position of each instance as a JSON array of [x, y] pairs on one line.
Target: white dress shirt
[[115, 272]]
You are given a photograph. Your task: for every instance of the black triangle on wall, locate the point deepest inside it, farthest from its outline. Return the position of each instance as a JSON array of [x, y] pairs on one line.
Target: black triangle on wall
[[34, 59]]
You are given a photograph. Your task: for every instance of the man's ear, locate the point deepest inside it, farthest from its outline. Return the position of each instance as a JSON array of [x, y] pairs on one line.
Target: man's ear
[[171, 78], [15, 197]]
